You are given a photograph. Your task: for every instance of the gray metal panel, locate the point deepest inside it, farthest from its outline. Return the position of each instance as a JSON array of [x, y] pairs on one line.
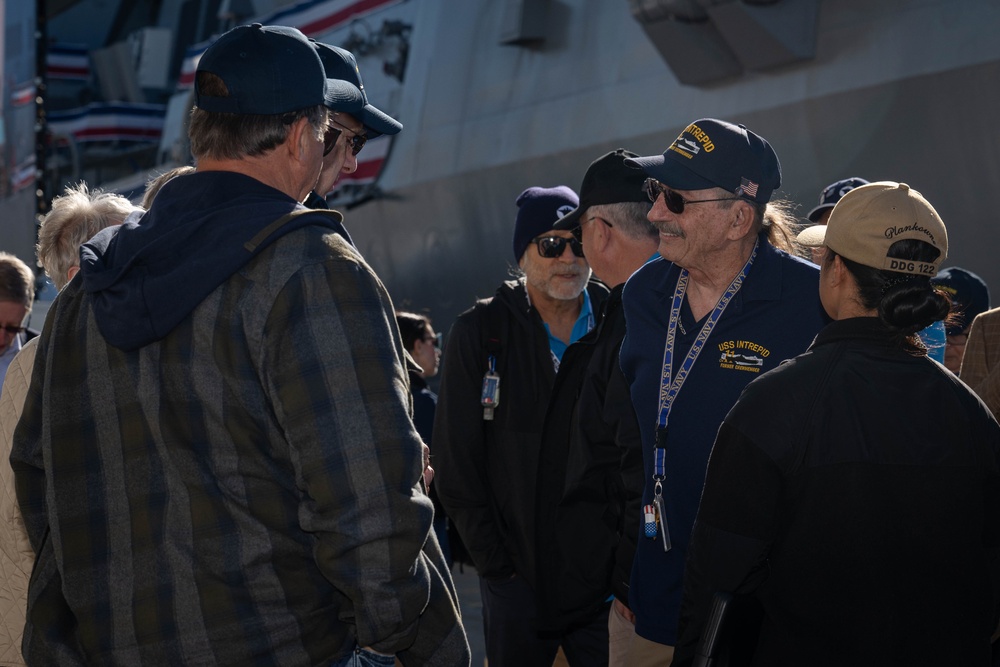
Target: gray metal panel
[[697, 53], [765, 36]]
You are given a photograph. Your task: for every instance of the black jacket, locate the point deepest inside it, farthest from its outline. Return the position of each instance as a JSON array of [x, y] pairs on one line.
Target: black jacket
[[854, 491], [486, 470], [587, 524]]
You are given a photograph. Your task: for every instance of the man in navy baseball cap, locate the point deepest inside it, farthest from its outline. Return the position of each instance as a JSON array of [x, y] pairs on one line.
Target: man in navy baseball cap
[[354, 126], [341, 66], [246, 351], [713, 153], [722, 306], [269, 70], [969, 296]]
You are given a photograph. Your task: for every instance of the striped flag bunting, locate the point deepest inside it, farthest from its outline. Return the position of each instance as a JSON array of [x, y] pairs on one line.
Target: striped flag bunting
[[312, 17], [68, 62], [115, 121]]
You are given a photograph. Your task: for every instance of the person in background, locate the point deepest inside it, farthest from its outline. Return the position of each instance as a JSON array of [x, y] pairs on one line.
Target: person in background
[[424, 346], [970, 296], [73, 218], [17, 293], [501, 364], [864, 514], [154, 184], [981, 363], [341, 65], [722, 305], [590, 467]]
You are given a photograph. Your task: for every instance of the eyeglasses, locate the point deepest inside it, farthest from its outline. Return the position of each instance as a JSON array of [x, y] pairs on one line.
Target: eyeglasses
[[11, 329], [554, 246], [434, 340], [357, 142], [675, 203], [577, 232]]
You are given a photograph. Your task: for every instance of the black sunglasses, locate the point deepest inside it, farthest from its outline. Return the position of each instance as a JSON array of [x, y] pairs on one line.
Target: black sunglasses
[[357, 142], [11, 329], [675, 203], [554, 246]]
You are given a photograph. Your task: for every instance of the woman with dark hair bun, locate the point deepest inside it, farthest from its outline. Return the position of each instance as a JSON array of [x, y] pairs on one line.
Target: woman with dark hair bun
[[854, 491]]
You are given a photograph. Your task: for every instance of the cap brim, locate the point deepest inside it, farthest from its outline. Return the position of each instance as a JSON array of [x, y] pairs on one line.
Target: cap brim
[[343, 96], [815, 213], [572, 219], [670, 172], [812, 237], [378, 122]]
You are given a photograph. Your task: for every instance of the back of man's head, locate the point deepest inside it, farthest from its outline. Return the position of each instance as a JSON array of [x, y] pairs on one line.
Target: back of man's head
[[609, 180], [74, 218], [254, 82]]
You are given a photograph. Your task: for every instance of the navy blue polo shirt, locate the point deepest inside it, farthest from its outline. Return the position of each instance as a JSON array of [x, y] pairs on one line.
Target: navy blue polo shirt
[[773, 317]]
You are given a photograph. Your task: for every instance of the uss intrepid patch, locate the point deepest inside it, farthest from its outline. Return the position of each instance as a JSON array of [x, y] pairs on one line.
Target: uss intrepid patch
[[742, 355]]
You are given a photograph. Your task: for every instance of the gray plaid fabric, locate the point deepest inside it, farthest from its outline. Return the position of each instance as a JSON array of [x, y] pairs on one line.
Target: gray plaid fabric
[[245, 490]]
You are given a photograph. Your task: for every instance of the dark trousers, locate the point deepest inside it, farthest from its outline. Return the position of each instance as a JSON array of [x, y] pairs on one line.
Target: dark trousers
[[509, 618]]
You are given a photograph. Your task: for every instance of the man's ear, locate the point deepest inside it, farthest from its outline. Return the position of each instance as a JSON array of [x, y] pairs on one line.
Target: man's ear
[[741, 221], [600, 236], [299, 136]]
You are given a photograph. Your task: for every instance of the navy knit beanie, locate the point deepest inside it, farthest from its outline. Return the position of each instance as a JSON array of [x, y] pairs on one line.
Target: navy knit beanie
[[538, 210]]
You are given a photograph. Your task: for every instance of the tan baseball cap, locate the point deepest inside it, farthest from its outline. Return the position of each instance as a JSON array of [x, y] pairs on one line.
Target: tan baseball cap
[[870, 218]]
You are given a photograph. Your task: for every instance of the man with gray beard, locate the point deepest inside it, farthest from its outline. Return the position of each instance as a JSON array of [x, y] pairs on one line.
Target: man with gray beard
[[500, 366]]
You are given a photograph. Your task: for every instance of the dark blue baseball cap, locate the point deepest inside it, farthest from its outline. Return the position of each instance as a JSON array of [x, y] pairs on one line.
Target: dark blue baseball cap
[[969, 296], [832, 193], [713, 153], [269, 70], [340, 65]]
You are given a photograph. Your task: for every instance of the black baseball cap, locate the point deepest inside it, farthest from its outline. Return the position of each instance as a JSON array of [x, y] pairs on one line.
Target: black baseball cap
[[712, 153], [608, 181], [270, 70], [340, 65]]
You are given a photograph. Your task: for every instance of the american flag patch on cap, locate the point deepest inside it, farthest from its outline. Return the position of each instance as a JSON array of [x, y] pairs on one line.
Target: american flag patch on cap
[[748, 187]]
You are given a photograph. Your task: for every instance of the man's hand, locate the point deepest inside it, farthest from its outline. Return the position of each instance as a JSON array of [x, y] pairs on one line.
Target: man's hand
[[624, 611], [428, 470]]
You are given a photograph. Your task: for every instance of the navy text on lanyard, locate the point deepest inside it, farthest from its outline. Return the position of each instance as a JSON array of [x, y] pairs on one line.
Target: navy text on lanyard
[[669, 389]]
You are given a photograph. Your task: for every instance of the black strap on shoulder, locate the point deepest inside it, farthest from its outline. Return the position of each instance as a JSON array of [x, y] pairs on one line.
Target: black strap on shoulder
[[492, 331], [263, 234]]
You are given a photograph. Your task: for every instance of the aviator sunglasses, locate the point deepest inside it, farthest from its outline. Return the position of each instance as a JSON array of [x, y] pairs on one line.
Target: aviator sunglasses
[[553, 246], [675, 203], [357, 142]]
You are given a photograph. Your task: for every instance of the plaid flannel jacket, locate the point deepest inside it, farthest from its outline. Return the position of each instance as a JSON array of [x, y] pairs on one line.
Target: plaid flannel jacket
[[245, 490]]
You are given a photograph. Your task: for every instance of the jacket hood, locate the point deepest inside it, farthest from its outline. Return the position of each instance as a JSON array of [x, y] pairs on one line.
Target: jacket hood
[[146, 275]]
